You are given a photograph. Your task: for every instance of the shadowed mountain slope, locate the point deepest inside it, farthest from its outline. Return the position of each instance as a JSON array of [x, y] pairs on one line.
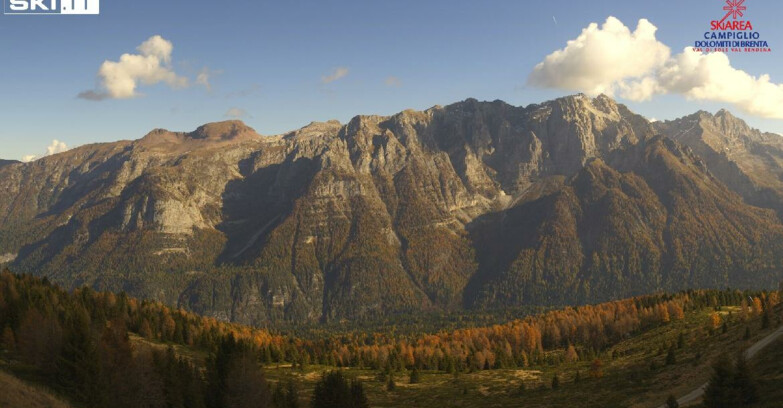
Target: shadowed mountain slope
[[476, 204]]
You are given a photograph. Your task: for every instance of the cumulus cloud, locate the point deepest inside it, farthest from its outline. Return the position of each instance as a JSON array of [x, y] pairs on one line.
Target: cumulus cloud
[[601, 57], [55, 147], [338, 73], [393, 81], [711, 77], [236, 113], [205, 76], [612, 59], [152, 65], [203, 79]]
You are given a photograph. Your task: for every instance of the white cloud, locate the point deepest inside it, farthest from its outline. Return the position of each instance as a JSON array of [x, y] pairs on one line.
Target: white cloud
[[335, 75], [157, 46], [203, 79], [236, 113], [613, 60], [711, 77], [205, 75], [120, 79], [393, 81], [601, 57], [55, 147]]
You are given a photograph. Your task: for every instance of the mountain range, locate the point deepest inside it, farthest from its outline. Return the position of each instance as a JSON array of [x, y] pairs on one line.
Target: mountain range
[[469, 206]]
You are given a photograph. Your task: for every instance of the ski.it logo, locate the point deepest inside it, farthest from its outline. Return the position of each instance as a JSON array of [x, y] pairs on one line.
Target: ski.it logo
[[51, 6]]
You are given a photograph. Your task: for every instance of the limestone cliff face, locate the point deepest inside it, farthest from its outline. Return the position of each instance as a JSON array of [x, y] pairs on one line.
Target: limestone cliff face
[[748, 161], [476, 204]]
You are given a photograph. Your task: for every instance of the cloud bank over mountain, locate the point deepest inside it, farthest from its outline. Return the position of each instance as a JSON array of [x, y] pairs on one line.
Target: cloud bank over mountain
[[614, 60]]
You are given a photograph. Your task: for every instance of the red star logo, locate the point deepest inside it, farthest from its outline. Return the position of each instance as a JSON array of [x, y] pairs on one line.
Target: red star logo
[[734, 8]]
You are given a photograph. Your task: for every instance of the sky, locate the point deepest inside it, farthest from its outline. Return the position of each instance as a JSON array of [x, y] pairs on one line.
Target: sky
[[278, 66]]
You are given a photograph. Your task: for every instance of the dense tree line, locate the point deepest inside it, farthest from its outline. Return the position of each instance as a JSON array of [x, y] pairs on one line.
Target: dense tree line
[[577, 332], [80, 341], [80, 344]]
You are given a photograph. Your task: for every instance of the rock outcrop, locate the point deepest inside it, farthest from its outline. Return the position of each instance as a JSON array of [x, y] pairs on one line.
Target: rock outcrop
[[476, 204], [748, 161]]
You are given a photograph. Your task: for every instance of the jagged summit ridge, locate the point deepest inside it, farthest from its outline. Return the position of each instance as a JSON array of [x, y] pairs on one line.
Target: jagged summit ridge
[[745, 159], [468, 205]]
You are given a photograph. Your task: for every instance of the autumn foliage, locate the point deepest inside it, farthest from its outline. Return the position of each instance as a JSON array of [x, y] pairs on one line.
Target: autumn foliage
[[83, 338]]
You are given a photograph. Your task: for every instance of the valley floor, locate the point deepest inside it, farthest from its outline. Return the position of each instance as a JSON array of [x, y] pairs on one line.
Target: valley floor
[[640, 368], [637, 377]]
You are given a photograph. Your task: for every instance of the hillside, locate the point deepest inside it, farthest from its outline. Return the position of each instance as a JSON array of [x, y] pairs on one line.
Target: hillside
[[18, 394], [769, 370], [99, 348], [471, 206]]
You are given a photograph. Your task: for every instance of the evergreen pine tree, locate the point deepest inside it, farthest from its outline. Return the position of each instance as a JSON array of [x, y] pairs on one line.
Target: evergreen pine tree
[[334, 391], [77, 369], [285, 395], [8, 341], [521, 389], [745, 382], [358, 397], [720, 392], [390, 384], [415, 376], [671, 357]]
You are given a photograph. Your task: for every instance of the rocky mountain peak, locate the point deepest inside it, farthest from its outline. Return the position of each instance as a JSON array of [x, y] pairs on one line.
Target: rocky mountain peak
[[222, 131], [208, 135], [724, 112], [705, 124], [730, 124], [460, 205], [580, 106], [743, 158], [314, 132]]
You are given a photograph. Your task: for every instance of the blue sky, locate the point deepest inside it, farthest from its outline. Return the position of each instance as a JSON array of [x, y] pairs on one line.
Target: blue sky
[[268, 59]]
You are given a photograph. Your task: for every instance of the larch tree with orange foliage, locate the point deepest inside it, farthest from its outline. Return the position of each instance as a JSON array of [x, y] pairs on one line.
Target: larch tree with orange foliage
[[571, 354], [714, 320], [596, 369], [757, 307]]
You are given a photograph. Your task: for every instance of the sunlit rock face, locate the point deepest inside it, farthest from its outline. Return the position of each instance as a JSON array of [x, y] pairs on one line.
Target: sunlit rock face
[[472, 205]]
